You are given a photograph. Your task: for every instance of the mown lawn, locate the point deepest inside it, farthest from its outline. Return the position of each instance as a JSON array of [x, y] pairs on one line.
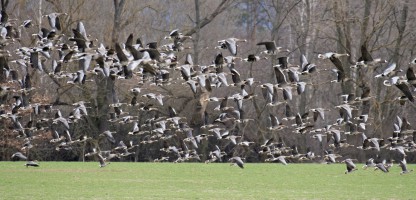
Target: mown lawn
[[76, 180]]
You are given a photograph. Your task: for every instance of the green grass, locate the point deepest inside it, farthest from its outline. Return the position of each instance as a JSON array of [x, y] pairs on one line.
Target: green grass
[[75, 180]]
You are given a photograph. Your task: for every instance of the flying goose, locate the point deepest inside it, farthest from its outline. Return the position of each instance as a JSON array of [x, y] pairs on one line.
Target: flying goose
[[32, 164], [275, 124], [271, 48], [390, 70], [281, 159], [236, 160], [403, 165], [410, 76], [306, 67], [19, 155], [54, 21], [109, 135], [350, 165], [252, 58], [382, 167], [176, 35], [101, 160], [332, 54], [369, 163], [318, 112], [230, 44], [366, 58], [402, 85]]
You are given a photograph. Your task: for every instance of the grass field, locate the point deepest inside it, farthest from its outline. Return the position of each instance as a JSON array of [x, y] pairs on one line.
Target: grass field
[[76, 180]]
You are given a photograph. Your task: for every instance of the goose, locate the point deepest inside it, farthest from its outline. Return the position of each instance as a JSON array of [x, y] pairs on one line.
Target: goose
[[217, 154], [309, 155], [401, 84], [252, 58], [236, 160], [176, 35], [19, 155], [382, 167], [126, 153], [400, 149], [331, 157], [275, 124], [56, 137], [62, 121], [82, 41], [281, 159], [372, 143], [366, 58], [306, 67], [350, 165], [245, 143], [369, 163], [27, 23], [271, 48], [54, 21], [101, 160], [301, 87], [217, 132], [293, 74], [109, 135], [318, 112], [232, 138], [273, 99], [330, 55], [403, 165], [319, 136], [230, 44], [157, 97], [390, 70], [33, 163], [345, 109], [162, 159], [336, 136], [410, 76]]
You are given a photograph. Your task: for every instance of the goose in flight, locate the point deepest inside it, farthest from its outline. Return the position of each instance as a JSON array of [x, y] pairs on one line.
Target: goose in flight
[[101, 160], [331, 157], [318, 112], [275, 124], [306, 67], [410, 76], [281, 159], [350, 165], [236, 160], [252, 58], [32, 164], [402, 85], [381, 167], [372, 143], [109, 135], [271, 48], [328, 55], [389, 71], [403, 165], [176, 35], [230, 44], [369, 163], [54, 21], [366, 58], [19, 155]]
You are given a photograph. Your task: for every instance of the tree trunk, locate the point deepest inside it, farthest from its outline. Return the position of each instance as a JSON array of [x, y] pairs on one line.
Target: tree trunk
[[198, 28], [118, 10]]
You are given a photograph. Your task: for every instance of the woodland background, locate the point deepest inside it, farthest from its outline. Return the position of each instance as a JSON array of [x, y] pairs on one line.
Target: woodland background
[[306, 27]]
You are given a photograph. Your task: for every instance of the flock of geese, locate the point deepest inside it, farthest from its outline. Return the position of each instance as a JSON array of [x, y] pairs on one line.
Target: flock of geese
[[152, 65]]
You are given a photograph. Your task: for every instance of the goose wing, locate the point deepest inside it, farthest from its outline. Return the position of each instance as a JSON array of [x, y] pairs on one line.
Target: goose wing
[[406, 90]]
